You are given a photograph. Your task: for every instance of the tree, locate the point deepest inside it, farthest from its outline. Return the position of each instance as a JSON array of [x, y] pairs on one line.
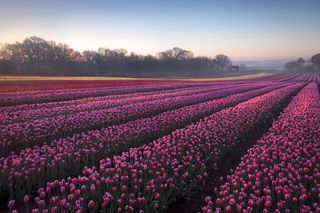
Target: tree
[[36, 49], [175, 53], [37, 56], [292, 65], [181, 54], [316, 59], [13, 52], [223, 62], [30, 55], [295, 65], [301, 62], [6, 66], [62, 53]]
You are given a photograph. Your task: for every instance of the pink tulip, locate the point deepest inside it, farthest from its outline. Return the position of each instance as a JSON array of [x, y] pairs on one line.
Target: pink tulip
[[11, 204], [283, 155], [91, 204]]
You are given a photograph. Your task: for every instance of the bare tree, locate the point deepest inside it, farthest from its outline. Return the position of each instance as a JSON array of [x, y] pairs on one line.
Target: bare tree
[[62, 53], [175, 53], [37, 56], [223, 62]]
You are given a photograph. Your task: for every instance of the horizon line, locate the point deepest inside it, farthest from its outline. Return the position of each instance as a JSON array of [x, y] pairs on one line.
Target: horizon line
[[235, 59]]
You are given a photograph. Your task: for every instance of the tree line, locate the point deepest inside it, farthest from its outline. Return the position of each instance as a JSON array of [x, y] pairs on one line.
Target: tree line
[[302, 65], [38, 56]]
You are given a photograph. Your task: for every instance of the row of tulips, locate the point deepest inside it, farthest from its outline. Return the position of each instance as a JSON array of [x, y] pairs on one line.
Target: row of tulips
[[281, 77], [15, 137], [300, 77], [306, 77], [11, 99], [296, 77], [41, 85], [53, 104], [151, 176], [281, 173], [102, 102], [313, 78], [68, 156]]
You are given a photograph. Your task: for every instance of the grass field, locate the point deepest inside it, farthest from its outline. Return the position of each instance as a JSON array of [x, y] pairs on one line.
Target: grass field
[[96, 78]]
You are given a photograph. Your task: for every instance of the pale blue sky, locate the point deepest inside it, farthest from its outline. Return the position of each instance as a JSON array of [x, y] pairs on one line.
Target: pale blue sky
[[242, 29]]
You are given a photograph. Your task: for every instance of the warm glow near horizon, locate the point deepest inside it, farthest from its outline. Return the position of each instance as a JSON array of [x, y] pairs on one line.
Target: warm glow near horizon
[[245, 30]]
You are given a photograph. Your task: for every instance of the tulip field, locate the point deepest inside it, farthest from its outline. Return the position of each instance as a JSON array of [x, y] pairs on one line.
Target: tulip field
[[156, 145]]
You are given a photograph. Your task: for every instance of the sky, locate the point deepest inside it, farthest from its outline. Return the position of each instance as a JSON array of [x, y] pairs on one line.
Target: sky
[[241, 29]]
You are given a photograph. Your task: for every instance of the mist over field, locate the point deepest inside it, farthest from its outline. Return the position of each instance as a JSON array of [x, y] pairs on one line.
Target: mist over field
[[276, 64]]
